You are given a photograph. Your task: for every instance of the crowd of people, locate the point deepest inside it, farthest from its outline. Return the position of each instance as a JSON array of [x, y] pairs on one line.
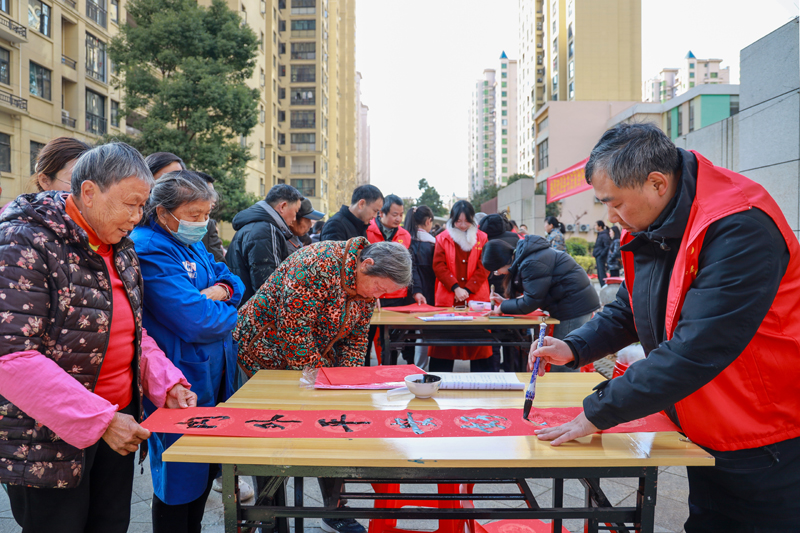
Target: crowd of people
[[117, 298]]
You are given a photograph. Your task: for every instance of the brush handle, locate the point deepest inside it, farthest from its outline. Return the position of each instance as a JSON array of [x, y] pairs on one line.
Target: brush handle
[[531, 393]]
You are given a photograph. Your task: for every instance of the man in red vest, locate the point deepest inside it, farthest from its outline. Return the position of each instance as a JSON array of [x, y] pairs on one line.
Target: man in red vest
[[712, 285], [386, 227]]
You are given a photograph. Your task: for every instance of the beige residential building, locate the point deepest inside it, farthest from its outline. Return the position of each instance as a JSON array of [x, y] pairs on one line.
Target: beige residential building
[[672, 82], [55, 80], [362, 172], [507, 113], [574, 50], [482, 141], [662, 87]]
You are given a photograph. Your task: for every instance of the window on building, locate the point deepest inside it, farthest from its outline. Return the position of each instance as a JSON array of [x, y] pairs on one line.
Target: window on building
[[569, 31], [304, 28], [95, 58], [541, 155], [485, 83], [262, 189], [504, 103], [303, 142], [734, 106], [504, 74], [691, 74], [555, 64], [571, 69], [504, 122], [555, 46], [4, 7], [691, 84], [281, 138], [504, 141], [40, 81], [113, 11], [305, 186], [503, 93], [304, 50], [39, 16], [95, 113], [571, 91], [303, 119], [304, 7], [5, 153], [35, 147], [115, 113], [691, 116], [669, 124], [503, 83], [304, 74], [505, 132], [570, 50], [714, 74], [505, 112], [504, 151], [505, 160], [691, 65], [96, 11], [680, 122], [5, 66]]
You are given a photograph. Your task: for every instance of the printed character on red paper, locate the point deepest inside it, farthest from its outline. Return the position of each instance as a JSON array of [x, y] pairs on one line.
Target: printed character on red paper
[[410, 424], [484, 423], [334, 424], [202, 422], [275, 423]]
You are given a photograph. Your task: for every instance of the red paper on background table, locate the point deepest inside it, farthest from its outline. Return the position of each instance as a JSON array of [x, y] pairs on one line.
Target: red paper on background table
[[408, 423], [414, 308], [379, 377]]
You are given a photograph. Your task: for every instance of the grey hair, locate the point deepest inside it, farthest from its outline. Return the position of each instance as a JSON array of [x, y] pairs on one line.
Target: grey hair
[[108, 164], [628, 153], [174, 189], [392, 261]]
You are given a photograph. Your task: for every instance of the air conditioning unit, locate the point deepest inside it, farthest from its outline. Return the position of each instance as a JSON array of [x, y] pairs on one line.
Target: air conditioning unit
[[65, 113], [570, 228], [584, 228]]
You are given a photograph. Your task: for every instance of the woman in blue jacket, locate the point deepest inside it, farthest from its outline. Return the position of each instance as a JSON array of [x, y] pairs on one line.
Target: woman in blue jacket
[[190, 310]]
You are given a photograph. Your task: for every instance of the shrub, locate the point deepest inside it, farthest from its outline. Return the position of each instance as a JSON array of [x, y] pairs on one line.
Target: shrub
[[586, 262], [577, 246]]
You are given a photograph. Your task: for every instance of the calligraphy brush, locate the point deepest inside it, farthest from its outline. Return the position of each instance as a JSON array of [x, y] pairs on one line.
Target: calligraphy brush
[[530, 394]]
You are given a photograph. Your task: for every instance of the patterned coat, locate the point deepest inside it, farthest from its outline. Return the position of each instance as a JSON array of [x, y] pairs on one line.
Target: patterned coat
[[55, 298], [307, 313]]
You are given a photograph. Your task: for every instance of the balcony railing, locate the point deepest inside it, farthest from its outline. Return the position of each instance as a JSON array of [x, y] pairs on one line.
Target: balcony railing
[[99, 76], [303, 147], [70, 122], [304, 123], [15, 101], [95, 124], [19, 29], [96, 13], [71, 63]]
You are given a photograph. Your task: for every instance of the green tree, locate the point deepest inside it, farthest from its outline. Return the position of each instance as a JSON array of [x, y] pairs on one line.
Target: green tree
[[183, 69], [553, 209], [484, 195], [516, 177], [430, 197]]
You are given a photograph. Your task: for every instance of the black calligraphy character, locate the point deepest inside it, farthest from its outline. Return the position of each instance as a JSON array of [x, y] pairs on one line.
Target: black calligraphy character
[[272, 423], [414, 425], [340, 422], [485, 423], [202, 422]]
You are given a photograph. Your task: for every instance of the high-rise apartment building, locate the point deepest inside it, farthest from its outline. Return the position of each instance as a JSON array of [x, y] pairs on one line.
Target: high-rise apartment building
[[574, 50], [307, 130], [482, 133], [362, 170], [55, 79], [672, 82], [507, 115]]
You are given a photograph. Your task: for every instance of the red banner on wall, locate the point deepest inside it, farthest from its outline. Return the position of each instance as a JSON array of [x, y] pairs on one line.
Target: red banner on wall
[[568, 182]]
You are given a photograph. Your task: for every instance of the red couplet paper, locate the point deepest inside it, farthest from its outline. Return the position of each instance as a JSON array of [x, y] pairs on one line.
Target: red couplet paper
[[414, 308], [227, 422], [373, 377]]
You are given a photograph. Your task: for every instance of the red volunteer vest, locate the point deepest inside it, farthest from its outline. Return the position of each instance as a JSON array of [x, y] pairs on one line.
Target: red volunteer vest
[[753, 402], [445, 297], [400, 236]]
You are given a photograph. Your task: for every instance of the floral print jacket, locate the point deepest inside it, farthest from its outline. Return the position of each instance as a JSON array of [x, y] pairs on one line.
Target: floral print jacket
[[55, 299], [307, 313]]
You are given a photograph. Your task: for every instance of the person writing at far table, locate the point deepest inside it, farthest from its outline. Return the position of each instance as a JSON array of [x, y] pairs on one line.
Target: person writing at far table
[[712, 282]]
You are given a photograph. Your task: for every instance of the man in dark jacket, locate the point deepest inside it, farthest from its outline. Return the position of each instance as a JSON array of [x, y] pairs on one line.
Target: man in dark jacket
[[600, 252], [262, 230], [353, 221], [712, 278]]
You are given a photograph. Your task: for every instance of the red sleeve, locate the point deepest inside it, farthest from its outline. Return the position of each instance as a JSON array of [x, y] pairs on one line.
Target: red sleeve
[[441, 269], [479, 278]]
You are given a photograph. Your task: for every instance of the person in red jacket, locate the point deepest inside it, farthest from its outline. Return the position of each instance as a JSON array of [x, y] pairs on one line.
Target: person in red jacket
[[712, 281], [386, 227], [460, 278]]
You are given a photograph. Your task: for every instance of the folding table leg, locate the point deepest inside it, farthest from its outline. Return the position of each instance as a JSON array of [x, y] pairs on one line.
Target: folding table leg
[[230, 497], [298, 502], [646, 499], [558, 501]]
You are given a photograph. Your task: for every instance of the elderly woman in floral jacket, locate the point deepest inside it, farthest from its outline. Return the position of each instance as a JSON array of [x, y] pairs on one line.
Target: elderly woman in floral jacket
[[314, 310], [75, 361]]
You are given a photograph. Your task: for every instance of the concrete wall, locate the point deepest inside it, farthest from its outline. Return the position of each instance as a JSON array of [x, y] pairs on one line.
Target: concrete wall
[[769, 120], [719, 142], [519, 202]]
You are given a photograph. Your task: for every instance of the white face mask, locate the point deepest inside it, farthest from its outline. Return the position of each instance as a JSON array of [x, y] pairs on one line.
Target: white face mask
[[189, 232]]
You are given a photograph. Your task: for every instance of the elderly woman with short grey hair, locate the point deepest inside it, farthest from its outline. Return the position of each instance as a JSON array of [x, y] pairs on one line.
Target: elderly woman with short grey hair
[[75, 361], [190, 310]]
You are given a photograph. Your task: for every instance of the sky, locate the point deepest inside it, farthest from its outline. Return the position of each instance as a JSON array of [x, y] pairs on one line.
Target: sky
[[420, 60]]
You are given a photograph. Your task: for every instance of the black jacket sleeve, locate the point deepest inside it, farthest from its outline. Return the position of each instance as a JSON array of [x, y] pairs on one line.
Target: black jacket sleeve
[[743, 259], [536, 278], [263, 250], [601, 246], [213, 243], [333, 230]]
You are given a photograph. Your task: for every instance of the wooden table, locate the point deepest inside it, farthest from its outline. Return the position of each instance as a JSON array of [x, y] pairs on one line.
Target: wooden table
[[472, 459], [398, 330]]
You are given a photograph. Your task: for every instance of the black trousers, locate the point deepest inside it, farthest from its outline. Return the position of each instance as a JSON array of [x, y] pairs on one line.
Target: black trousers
[[754, 491], [100, 504], [601, 271], [408, 351], [186, 517]]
